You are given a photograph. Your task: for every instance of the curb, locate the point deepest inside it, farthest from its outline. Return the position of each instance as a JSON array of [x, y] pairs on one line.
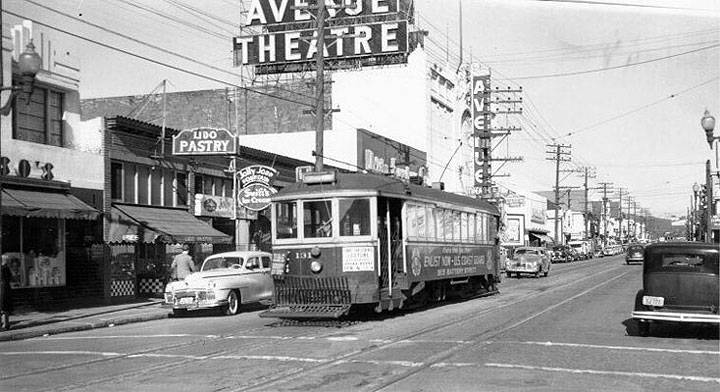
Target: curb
[[21, 335]]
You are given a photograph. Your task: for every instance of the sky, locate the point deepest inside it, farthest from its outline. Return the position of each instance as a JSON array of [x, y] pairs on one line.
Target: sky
[[625, 83]]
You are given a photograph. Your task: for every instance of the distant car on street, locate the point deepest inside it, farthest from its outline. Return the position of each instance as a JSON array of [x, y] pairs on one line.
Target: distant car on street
[[634, 253], [562, 254], [582, 248], [224, 281], [528, 260], [680, 284]]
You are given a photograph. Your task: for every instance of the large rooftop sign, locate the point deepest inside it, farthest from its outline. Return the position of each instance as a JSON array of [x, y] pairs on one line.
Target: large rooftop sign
[[366, 32]]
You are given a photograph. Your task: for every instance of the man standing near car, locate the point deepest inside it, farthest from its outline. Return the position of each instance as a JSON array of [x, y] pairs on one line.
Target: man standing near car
[[182, 264]]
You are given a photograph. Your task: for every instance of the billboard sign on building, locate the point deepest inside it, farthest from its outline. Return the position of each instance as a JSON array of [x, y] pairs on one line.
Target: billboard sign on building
[[256, 187], [481, 117], [366, 32], [379, 154], [204, 141]]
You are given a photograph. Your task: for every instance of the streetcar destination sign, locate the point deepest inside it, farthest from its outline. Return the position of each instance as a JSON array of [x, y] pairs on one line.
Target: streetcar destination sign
[[204, 141]]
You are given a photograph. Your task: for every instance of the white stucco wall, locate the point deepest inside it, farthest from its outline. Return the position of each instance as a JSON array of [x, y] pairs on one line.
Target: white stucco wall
[[79, 162]]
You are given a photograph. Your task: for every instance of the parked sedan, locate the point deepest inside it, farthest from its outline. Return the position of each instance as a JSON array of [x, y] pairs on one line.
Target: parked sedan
[[634, 254], [561, 254], [528, 260], [225, 281], [680, 284]]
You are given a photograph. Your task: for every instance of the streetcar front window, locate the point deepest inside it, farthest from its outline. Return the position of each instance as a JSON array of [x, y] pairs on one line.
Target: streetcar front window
[[286, 226], [354, 217], [317, 218]]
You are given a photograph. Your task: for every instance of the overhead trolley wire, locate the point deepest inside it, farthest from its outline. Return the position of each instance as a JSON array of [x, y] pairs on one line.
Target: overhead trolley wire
[[174, 67]]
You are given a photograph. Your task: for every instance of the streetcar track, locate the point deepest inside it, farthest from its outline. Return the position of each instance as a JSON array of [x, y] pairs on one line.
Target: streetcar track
[[292, 375], [295, 373]]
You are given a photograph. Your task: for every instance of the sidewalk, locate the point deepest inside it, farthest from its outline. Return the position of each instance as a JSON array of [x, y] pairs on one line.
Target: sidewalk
[[33, 324]]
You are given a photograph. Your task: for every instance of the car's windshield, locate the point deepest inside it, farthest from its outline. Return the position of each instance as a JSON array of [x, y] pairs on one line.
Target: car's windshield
[[526, 252], [221, 262]]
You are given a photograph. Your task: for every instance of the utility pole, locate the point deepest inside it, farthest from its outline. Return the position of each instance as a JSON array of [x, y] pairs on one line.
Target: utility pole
[[605, 186], [620, 215], [588, 173], [629, 201], [634, 219], [320, 86], [560, 154], [710, 201]]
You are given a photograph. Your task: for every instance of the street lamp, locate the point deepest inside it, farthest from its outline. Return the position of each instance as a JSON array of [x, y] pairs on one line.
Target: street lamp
[[29, 64], [708, 124], [695, 220]]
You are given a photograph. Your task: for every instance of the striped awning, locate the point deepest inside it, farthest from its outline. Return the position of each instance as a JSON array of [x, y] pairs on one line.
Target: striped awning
[[37, 204]]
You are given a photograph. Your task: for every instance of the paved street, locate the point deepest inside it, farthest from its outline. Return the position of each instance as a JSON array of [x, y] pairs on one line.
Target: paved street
[[569, 331]]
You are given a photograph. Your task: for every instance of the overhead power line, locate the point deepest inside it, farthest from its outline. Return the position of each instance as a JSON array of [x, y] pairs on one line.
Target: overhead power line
[[617, 66], [174, 67], [671, 96]]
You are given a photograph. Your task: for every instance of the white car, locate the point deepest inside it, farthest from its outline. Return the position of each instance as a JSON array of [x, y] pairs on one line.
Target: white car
[[224, 281]]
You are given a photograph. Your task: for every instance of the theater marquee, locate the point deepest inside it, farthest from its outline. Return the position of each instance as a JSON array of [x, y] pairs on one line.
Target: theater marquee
[[364, 33]]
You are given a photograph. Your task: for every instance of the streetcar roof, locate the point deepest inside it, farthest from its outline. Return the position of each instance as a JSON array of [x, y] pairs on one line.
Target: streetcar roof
[[358, 184]]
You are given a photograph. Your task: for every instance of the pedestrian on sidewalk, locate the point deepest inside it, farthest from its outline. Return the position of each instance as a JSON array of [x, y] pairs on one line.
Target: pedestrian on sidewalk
[[5, 294], [182, 264]]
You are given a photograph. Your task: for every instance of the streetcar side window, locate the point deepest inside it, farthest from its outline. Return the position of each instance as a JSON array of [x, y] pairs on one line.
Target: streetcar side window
[[286, 218], [456, 226], [480, 229], [317, 219], [471, 227], [354, 217], [430, 232], [464, 226], [439, 224]]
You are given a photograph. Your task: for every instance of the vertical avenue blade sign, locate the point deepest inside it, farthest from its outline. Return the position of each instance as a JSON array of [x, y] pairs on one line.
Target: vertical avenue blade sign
[[204, 141], [481, 116]]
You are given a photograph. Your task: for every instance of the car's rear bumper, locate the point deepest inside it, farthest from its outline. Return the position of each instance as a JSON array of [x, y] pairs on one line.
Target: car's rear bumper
[[522, 269], [677, 317], [634, 259]]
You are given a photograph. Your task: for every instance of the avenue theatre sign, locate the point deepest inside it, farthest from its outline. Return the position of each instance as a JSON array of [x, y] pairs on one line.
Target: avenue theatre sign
[[369, 31], [204, 141], [256, 187]]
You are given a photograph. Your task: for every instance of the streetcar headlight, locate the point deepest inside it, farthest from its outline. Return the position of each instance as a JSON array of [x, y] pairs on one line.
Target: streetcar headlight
[[315, 252], [315, 267]]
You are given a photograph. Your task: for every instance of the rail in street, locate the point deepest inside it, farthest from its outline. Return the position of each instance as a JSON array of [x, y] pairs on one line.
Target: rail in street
[[567, 329]]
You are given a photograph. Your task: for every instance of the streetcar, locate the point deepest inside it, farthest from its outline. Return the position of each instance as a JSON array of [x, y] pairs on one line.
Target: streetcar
[[344, 241]]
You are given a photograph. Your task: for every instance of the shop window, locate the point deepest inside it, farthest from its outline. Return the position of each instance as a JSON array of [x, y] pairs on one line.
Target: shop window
[[40, 120], [317, 217], [129, 183], [286, 220], [168, 187], [34, 250], [181, 189], [143, 184], [116, 181], [155, 186], [199, 184], [354, 217]]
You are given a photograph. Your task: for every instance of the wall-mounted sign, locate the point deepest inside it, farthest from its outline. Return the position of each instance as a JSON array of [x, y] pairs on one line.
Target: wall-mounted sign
[[269, 12], [383, 155], [204, 141], [481, 117], [256, 186], [220, 207], [27, 169]]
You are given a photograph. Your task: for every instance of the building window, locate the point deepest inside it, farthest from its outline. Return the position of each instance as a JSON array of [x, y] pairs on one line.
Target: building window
[[181, 189], [116, 180], [40, 120]]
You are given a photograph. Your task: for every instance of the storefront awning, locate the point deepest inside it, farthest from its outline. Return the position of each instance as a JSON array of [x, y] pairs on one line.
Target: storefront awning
[[154, 224], [542, 237], [36, 204]]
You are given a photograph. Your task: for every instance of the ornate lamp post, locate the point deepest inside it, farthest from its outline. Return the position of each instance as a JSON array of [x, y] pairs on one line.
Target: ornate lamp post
[[695, 220], [29, 63], [708, 124]]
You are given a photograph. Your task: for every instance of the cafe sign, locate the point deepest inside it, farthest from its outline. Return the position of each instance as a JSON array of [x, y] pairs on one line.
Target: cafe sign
[[256, 187], [204, 141]]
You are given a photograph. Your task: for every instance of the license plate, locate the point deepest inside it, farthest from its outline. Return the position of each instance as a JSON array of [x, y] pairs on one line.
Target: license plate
[[187, 300], [653, 301]]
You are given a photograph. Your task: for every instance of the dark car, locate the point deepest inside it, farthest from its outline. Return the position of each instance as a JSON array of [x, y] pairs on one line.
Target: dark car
[[561, 254], [680, 284], [634, 253]]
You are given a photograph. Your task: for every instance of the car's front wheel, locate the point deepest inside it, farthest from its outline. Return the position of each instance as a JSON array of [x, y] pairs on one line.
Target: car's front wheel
[[233, 305]]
